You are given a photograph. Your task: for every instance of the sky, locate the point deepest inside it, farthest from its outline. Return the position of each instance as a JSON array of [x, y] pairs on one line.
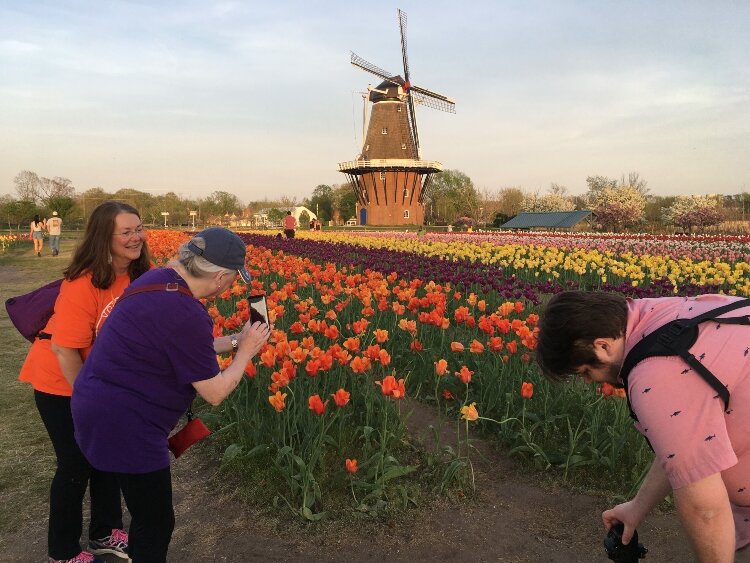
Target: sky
[[259, 99]]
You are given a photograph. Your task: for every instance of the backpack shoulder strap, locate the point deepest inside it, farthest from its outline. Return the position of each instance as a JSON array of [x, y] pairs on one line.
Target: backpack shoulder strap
[[675, 339]]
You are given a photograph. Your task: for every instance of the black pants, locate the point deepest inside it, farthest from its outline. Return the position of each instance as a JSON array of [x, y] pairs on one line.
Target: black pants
[[149, 500], [289, 233], [68, 487]]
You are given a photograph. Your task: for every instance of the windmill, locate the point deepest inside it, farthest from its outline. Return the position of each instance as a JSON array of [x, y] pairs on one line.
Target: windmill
[[389, 177]]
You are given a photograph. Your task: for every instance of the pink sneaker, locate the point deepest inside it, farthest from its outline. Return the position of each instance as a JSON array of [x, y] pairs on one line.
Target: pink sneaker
[[115, 544], [83, 557]]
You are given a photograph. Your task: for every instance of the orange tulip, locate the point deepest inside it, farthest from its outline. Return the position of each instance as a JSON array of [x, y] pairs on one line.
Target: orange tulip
[[298, 355], [332, 332], [384, 357], [326, 362], [457, 347], [359, 364], [476, 347], [351, 466], [381, 335], [527, 390], [312, 367], [441, 366], [372, 352], [277, 401], [469, 412], [495, 343], [341, 398], [392, 388], [447, 395], [250, 370], [316, 404], [359, 326], [352, 344], [464, 374]]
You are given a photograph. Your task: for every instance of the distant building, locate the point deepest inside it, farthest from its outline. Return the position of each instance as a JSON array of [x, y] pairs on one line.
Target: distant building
[[548, 220]]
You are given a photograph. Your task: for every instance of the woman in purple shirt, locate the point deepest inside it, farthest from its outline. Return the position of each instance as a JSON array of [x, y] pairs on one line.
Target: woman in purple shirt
[[155, 351]]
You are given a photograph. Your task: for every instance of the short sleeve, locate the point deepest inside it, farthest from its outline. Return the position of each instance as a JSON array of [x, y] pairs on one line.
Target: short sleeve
[[76, 313]]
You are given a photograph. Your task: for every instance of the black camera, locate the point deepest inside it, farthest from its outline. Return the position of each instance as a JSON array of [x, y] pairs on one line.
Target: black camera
[[615, 549]]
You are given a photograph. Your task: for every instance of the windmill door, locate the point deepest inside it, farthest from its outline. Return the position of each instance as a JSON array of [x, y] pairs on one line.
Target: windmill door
[[363, 216]]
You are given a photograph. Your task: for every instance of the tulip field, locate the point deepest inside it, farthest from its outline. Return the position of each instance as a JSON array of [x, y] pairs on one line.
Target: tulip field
[[363, 321], [7, 241]]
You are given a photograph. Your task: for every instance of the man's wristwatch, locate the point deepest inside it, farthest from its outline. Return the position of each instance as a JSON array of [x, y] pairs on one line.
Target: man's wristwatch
[[235, 342]]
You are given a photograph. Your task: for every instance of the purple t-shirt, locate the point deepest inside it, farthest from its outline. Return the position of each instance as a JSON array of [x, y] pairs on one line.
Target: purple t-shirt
[[137, 381]]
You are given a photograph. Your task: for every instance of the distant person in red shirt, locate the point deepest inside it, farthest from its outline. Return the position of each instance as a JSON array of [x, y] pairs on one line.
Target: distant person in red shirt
[[290, 223]]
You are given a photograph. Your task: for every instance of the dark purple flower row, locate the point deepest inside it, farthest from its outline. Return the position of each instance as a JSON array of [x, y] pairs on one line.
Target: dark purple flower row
[[467, 275]]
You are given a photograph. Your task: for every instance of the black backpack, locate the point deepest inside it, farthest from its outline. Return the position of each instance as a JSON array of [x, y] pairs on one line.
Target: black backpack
[[675, 339]]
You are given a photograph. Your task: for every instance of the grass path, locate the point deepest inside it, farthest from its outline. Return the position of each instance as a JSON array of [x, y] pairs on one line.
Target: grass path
[[27, 460]]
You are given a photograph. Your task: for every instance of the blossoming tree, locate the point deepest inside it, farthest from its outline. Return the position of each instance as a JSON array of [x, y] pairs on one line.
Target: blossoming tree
[[693, 211], [618, 207]]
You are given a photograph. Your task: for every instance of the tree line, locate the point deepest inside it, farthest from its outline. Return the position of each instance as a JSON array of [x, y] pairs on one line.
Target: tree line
[[617, 203]]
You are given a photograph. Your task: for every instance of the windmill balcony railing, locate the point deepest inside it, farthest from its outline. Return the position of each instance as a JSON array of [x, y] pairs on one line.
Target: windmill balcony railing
[[391, 164]]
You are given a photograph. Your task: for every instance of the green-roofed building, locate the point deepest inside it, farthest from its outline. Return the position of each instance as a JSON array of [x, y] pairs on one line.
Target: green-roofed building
[[548, 220]]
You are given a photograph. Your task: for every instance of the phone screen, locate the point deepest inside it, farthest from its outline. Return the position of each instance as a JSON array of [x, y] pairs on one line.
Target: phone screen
[[258, 308]]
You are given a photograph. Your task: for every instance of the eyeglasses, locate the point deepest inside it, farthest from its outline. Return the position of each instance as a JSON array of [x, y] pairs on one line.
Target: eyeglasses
[[130, 233]]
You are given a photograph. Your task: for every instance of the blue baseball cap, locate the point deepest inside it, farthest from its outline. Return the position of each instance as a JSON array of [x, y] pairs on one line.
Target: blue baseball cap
[[223, 248]]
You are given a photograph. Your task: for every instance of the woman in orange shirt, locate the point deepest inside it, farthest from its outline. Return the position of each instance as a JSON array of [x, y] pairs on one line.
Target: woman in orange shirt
[[112, 254]]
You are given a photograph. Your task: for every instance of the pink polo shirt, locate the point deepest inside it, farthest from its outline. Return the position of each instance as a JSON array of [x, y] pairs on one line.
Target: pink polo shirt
[[681, 414]]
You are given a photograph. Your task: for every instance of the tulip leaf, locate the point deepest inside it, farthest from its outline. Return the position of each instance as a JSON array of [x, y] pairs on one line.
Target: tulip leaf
[[232, 451], [310, 515], [398, 471]]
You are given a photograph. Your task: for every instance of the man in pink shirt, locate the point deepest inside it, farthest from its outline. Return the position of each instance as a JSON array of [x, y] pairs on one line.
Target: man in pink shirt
[[290, 223], [701, 447]]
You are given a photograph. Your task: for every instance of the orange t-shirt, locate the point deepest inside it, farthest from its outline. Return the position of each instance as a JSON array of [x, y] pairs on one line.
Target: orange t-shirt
[[80, 310], [290, 222]]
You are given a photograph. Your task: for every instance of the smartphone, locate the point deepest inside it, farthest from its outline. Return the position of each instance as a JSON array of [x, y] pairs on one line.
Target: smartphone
[[258, 308]]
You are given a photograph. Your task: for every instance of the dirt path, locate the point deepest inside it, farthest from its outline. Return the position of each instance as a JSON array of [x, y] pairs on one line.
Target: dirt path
[[511, 519]]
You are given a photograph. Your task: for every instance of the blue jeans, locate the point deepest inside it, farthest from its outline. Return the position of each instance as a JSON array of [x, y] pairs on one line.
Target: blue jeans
[[54, 243]]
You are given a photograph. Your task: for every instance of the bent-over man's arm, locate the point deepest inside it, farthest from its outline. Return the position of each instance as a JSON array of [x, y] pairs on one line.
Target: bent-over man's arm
[[706, 514]]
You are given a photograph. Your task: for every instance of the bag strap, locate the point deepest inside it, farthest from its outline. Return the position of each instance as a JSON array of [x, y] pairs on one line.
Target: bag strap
[[172, 286], [675, 339]]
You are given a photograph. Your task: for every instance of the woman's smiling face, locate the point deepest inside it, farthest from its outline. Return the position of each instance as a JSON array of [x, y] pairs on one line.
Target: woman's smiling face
[[127, 239]]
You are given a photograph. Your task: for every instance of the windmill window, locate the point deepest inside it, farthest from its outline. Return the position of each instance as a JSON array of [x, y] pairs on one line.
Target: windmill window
[[384, 131], [382, 175], [403, 146], [406, 213], [398, 109]]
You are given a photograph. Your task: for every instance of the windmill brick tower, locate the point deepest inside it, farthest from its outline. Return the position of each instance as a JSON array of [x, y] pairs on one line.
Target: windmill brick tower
[[389, 177]]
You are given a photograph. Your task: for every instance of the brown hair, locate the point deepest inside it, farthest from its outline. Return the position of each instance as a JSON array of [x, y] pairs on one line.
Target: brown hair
[[569, 325], [93, 253]]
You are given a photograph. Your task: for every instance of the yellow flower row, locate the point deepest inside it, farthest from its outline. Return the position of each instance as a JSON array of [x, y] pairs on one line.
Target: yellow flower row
[[554, 264]]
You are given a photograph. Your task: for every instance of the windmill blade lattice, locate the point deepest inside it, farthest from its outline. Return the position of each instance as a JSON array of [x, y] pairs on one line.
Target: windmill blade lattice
[[432, 99], [402, 28], [371, 68]]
